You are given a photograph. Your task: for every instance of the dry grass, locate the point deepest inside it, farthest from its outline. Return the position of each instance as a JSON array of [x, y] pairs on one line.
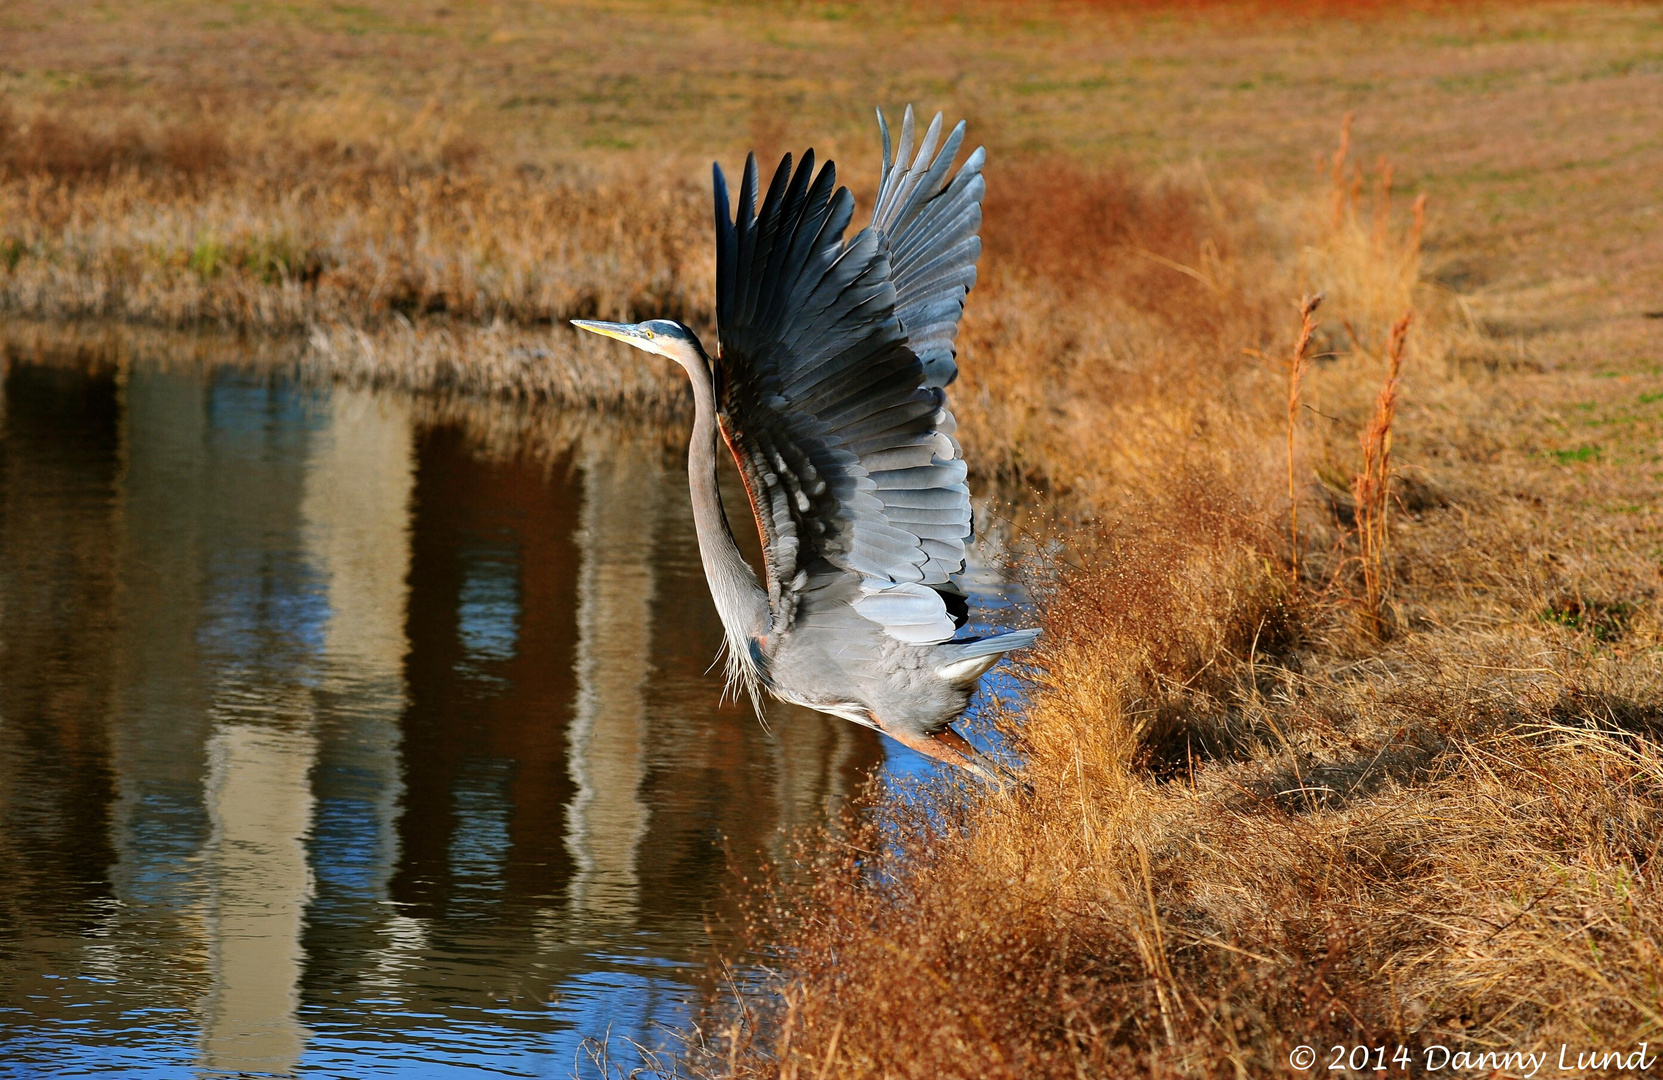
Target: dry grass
[[1371, 487], [1225, 856], [1253, 819], [1299, 361], [1249, 823], [289, 236], [1477, 888]]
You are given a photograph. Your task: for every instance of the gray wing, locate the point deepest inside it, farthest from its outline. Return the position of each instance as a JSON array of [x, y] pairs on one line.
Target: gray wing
[[930, 227], [828, 412]]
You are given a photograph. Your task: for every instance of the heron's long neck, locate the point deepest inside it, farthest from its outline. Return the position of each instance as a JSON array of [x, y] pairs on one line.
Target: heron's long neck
[[740, 601]]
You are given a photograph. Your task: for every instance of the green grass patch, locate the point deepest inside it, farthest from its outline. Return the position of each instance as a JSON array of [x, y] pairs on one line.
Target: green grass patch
[[207, 257], [1603, 621], [1581, 453], [273, 259]]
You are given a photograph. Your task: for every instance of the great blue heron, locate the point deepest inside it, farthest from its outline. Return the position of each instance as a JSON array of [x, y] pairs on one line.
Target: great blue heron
[[829, 387]]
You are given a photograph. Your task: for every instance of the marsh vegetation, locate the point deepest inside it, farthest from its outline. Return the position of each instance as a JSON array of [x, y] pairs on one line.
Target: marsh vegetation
[[1346, 724]]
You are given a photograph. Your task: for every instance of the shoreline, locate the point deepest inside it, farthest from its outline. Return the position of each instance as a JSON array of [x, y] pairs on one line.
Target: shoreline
[[496, 363]]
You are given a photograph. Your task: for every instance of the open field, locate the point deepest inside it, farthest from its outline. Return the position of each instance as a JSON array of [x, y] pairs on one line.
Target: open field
[[1262, 812]]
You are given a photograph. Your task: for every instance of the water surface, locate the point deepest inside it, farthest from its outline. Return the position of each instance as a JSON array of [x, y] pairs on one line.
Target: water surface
[[330, 746]]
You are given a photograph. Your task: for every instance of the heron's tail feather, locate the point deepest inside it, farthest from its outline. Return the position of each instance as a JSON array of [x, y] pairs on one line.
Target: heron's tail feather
[[965, 661]]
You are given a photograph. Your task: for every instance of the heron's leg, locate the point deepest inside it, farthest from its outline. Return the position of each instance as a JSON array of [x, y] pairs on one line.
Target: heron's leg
[[949, 737], [979, 763], [946, 745]]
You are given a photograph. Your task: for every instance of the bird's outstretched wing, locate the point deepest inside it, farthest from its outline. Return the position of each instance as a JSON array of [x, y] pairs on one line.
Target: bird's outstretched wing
[[931, 227], [843, 441]]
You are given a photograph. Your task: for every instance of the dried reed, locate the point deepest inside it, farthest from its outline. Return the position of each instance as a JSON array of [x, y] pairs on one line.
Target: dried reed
[[1338, 192], [1383, 202], [1371, 487], [1298, 362]]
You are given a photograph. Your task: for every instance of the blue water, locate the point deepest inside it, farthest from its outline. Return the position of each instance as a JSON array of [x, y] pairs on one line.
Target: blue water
[[330, 746]]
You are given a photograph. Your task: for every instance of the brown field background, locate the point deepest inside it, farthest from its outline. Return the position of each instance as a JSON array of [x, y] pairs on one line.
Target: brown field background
[[1257, 811]]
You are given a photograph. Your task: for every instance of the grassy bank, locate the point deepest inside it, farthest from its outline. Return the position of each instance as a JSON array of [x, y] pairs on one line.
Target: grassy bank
[[1285, 787], [1265, 812]]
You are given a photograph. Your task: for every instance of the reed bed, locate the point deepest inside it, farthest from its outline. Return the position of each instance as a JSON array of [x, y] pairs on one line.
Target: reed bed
[[1264, 807], [282, 235], [1345, 727]]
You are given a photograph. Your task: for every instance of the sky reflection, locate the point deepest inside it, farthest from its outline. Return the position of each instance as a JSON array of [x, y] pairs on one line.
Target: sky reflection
[[330, 748]]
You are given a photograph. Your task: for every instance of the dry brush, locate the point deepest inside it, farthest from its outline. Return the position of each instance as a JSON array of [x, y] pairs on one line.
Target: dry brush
[[1253, 819], [1249, 822]]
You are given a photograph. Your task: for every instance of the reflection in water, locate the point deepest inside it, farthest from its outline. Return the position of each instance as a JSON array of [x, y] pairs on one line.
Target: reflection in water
[[263, 624], [327, 747], [355, 510], [623, 485], [260, 805]]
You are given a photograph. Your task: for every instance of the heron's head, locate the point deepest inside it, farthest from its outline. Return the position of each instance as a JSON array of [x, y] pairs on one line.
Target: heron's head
[[665, 337]]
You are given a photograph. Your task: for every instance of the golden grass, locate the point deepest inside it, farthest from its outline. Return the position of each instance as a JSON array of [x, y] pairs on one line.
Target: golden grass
[[282, 242], [1215, 866], [1371, 487], [1253, 819], [1299, 361], [1249, 824]]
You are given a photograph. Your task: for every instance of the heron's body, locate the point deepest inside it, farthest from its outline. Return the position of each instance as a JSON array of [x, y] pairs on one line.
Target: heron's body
[[829, 389], [849, 668]]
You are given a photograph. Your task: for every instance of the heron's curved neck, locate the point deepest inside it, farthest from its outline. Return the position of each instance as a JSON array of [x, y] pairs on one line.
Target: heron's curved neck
[[740, 601]]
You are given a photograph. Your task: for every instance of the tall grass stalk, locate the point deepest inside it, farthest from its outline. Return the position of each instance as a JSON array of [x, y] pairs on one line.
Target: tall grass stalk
[[1386, 173], [1298, 362], [1371, 488], [1338, 191]]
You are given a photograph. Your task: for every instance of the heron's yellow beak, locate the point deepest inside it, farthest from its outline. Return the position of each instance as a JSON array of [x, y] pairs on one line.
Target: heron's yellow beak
[[629, 333]]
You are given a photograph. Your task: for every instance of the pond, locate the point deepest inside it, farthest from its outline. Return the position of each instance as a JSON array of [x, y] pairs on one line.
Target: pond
[[332, 744]]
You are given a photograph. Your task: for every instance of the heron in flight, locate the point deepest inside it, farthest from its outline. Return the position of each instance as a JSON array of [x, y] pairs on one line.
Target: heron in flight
[[828, 386]]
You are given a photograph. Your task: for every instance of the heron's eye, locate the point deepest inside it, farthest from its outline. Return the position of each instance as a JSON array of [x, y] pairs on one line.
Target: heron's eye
[[649, 334]]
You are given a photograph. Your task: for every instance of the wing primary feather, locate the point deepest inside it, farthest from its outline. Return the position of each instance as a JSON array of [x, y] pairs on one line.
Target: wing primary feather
[[904, 151], [883, 129], [745, 227], [808, 240], [726, 239], [928, 184], [914, 176], [767, 225], [787, 219]]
